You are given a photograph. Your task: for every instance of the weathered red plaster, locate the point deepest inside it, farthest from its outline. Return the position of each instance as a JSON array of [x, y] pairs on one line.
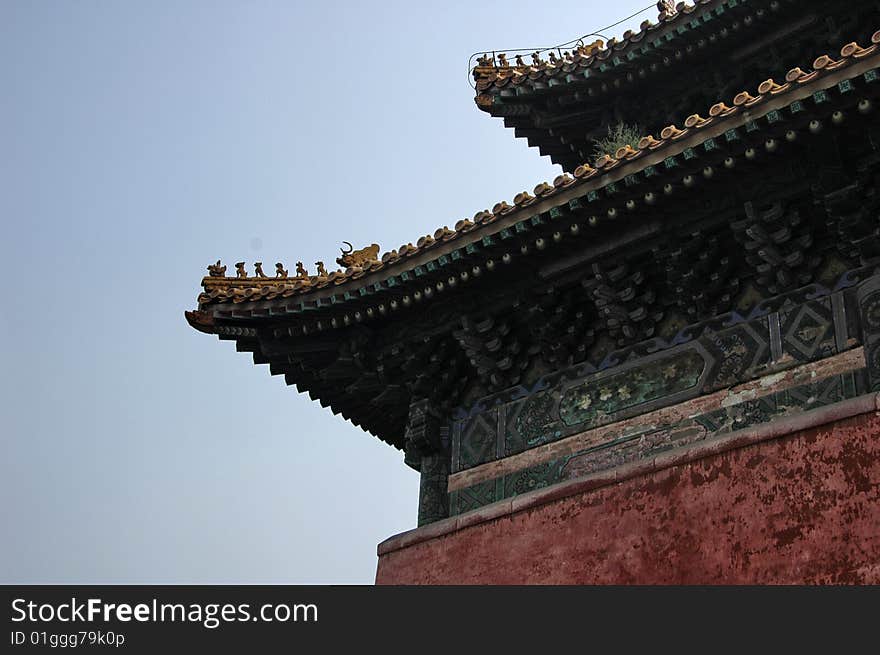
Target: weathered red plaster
[[800, 509]]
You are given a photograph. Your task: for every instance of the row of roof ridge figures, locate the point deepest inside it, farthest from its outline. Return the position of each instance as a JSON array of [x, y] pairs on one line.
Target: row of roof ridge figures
[[350, 259], [667, 8]]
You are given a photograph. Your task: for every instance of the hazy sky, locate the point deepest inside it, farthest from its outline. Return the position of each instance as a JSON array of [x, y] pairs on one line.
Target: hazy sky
[[140, 142]]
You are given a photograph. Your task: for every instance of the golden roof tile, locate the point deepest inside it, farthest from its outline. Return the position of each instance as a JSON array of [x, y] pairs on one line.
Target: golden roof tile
[[696, 121], [523, 199], [671, 132], [649, 143], [484, 216], [827, 63], [502, 208], [444, 234], [606, 162], [771, 87], [563, 180], [627, 152], [585, 171], [719, 109], [544, 189], [746, 99]]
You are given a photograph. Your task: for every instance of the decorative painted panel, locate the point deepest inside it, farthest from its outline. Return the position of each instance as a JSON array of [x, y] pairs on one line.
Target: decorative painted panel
[[742, 353], [476, 496], [588, 404], [808, 330], [807, 325], [531, 422], [654, 441], [477, 439]]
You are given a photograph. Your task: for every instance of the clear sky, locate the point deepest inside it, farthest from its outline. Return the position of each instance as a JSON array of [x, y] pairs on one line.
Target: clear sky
[[140, 142]]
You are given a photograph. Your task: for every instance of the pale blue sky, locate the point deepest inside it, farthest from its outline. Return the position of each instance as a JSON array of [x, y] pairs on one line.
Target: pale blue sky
[[140, 142]]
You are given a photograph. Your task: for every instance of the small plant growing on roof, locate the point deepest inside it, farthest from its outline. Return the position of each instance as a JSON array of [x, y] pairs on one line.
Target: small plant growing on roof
[[619, 135]]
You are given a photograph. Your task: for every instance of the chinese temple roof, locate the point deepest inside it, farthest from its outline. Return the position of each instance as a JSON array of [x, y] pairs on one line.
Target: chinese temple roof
[[352, 340], [586, 60], [652, 153], [562, 101]]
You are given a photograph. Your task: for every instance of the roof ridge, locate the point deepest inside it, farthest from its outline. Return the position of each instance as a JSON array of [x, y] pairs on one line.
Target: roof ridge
[[582, 57]]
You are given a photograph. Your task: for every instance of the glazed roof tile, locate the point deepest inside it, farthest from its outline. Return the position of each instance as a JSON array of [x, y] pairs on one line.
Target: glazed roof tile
[[223, 290]]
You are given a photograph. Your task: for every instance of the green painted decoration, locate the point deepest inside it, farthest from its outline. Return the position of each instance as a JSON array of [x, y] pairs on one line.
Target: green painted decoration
[[592, 402]]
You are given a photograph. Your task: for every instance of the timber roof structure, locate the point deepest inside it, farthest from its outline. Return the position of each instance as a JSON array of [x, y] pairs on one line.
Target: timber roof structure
[[605, 257], [561, 101], [651, 160], [586, 62]]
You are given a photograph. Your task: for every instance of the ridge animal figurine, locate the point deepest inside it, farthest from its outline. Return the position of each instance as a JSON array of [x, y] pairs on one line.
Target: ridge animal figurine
[[502, 61], [216, 270], [280, 270], [360, 257], [239, 270], [300, 271], [258, 269], [666, 8], [592, 49], [322, 272]]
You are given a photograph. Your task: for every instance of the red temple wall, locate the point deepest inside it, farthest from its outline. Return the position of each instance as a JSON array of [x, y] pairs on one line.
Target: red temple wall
[[798, 509]]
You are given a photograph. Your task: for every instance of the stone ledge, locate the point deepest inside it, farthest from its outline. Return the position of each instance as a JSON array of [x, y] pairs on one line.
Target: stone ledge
[[752, 435]]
